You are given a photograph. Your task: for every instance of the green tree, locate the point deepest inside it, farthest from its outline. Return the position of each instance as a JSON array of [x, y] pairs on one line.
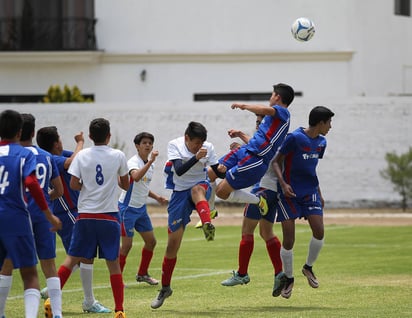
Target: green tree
[[399, 172]]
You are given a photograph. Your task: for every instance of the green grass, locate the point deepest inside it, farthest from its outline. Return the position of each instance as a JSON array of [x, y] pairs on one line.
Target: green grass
[[363, 272]]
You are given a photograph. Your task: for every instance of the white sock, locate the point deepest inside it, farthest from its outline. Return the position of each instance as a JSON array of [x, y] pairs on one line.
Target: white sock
[[315, 246], [5, 286], [55, 294], [86, 275], [243, 196], [212, 195], [287, 260], [75, 268], [31, 302]]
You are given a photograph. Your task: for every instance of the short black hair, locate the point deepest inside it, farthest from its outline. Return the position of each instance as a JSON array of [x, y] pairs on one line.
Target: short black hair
[[318, 114], [46, 137], [196, 130], [99, 130], [285, 91], [138, 138], [27, 130], [10, 123]]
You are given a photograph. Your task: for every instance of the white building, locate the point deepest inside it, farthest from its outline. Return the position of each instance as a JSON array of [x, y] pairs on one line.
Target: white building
[[144, 61], [151, 50]]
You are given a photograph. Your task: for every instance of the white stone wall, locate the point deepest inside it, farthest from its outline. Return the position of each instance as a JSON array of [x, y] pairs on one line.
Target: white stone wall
[[363, 130]]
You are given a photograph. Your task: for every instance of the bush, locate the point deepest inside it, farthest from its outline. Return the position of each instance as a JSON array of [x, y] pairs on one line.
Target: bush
[[399, 172], [67, 95]]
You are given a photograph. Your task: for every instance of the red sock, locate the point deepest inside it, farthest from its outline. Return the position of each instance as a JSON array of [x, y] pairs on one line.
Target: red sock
[[64, 274], [122, 261], [145, 262], [116, 281], [273, 246], [202, 208], [245, 252], [167, 270]]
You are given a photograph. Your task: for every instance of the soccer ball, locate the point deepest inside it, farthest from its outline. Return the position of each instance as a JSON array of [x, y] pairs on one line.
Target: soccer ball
[[303, 29]]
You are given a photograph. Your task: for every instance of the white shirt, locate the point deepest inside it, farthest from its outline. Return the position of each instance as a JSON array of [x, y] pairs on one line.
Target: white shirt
[[269, 179], [176, 149], [98, 167], [138, 192]]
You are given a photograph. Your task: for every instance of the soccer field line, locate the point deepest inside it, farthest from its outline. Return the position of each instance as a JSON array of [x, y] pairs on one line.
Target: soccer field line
[[176, 277]]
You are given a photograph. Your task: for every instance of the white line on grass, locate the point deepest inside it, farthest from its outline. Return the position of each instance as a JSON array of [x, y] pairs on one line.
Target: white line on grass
[[76, 290]]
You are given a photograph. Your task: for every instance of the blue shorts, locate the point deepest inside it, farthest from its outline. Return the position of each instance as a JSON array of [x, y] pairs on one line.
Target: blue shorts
[[45, 240], [244, 168], [96, 232], [181, 206], [68, 219], [134, 219], [20, 249], [299, 207], [252, 210]]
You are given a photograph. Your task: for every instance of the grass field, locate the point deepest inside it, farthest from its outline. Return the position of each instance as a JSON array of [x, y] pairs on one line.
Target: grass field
[[363, 271]]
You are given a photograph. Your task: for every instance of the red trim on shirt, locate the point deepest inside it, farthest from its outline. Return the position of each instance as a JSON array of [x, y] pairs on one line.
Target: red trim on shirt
[[36, 192]]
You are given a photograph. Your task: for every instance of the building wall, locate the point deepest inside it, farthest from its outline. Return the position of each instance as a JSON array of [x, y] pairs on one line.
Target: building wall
[[363, 131], [188, 47]]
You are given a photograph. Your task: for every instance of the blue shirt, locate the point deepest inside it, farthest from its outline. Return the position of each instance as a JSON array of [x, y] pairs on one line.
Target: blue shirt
[[270, 134], [301, 158], [46, 170], [68, 202], [16, 164]]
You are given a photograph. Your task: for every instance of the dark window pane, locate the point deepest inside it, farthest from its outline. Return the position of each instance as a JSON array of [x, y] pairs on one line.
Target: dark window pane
[[403, 7]]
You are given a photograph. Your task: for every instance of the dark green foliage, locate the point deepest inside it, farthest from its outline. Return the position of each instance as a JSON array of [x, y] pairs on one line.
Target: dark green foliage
[[68, 95], [399, 172]]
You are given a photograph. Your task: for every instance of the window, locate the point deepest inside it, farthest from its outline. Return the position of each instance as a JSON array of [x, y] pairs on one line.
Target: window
[[47, 25], [235, 96], [403, 7], [7, 99]]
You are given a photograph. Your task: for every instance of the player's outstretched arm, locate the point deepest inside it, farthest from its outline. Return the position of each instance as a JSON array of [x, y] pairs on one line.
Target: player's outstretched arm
[[256, 109]]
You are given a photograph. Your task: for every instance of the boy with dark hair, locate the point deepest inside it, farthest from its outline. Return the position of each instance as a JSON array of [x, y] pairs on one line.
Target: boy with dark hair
[[133, 209], [300, 196], [96, 173], [186, 174], [18, 171], [65, 208], [245, 166]]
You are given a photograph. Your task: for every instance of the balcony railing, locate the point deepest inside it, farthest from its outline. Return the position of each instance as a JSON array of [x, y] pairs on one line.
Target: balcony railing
[[47, 34]]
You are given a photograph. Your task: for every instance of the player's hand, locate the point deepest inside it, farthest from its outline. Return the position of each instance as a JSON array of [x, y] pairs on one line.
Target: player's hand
[[79, 137], [55, 222], [162, 200], [233, 133], [238, 105], [234, 145], [153, 155], [201, 153], [288, 191]]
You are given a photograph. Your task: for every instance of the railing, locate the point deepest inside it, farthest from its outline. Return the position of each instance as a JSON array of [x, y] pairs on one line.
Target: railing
[[67, 34]]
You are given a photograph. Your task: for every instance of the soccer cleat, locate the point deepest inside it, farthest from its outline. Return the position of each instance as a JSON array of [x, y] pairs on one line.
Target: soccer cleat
[[280, 281], [213, 215], [312, 280], [47, 309], [163, 294], [44, 293], [236, 280], [119, 314], [209, 231], [287, 289], [263, 205], [146, 279], [96, 307]]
